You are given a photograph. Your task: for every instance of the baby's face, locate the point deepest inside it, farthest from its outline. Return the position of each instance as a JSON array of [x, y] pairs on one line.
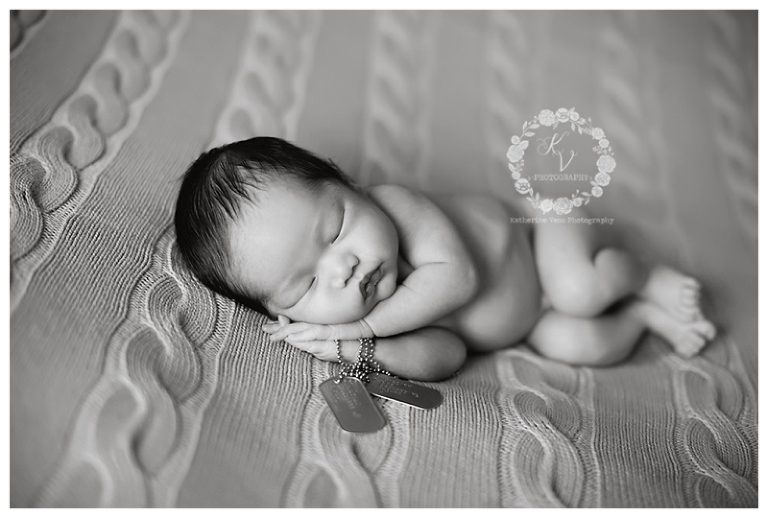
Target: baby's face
[[326, 257]]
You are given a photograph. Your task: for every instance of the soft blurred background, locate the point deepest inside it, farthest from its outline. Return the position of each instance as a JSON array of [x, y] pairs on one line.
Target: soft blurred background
[[132, 385]]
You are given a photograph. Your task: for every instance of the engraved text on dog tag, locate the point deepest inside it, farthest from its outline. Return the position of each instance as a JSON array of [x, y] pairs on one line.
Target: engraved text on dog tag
[[352, 405], [403, 391]]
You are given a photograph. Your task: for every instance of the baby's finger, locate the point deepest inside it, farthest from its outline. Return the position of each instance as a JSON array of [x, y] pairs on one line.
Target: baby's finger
[[286, 331], [271, 328], [302, 336], [273, 325], [311, 333], [278, 335]]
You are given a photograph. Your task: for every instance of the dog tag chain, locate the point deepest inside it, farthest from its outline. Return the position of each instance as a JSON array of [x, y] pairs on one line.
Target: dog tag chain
[[348, 394]]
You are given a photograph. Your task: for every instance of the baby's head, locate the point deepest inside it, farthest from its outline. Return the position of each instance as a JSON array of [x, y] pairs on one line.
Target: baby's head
[[285, 232]]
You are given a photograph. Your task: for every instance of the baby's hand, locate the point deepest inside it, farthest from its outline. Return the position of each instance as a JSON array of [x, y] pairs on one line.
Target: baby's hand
[[304, 332], [321, 349]]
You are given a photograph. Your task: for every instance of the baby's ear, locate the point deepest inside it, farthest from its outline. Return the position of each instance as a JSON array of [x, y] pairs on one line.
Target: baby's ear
[[283, 320]]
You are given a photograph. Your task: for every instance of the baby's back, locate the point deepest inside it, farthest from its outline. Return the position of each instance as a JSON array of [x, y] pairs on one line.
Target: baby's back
[[509, 300]]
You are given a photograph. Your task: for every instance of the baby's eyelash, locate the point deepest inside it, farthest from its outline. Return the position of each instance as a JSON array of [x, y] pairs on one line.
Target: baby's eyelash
[[341, 226]]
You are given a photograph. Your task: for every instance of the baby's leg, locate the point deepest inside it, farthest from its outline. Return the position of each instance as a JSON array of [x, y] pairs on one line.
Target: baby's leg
[[598, 341], [610, 338], [581, 272]]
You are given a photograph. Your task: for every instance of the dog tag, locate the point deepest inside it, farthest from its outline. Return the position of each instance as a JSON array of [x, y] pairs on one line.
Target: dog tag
[[353, 407], [403, 391]]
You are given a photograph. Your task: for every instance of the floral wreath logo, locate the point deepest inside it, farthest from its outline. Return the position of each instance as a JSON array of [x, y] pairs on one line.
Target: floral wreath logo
[[606, 163]]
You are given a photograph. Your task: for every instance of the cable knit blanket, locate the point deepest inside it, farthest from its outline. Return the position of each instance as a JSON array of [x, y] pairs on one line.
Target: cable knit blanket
[[132, 385]]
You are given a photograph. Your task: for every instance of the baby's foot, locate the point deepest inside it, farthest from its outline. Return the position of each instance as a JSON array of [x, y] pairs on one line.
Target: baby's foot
[[673, 291], [687, 338]]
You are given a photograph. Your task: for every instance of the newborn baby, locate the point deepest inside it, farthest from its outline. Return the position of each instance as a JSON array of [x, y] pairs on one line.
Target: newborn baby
[[430, 277]]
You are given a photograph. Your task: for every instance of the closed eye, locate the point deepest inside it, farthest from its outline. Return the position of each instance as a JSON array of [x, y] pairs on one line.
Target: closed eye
[[341, 226]]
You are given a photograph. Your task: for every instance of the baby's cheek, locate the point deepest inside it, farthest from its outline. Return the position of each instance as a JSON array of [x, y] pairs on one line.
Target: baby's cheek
[[337, 311], [383, 232]]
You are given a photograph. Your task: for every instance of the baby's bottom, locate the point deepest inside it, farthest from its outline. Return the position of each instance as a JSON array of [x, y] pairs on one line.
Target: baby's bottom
[[584, 273]]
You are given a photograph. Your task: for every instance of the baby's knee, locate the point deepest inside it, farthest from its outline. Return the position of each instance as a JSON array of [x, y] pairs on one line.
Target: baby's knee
[[580, 295], [621, 269], [443, 355]]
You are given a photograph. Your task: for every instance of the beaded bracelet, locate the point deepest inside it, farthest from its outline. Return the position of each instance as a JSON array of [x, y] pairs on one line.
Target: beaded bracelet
[[364, 365]]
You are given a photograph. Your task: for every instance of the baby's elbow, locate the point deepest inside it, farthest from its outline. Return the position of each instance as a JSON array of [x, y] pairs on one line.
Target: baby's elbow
[[444, 362], [454, 359]]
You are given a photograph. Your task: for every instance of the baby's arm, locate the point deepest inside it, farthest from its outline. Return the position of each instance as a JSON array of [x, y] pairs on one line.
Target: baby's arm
[[427, 354], [444, 277]]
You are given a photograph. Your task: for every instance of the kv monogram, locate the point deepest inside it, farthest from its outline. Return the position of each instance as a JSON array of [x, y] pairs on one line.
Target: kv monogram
[[548, 144], [559, 144]]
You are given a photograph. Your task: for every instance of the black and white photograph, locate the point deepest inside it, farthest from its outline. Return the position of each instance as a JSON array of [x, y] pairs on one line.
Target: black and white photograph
[[383, 258]]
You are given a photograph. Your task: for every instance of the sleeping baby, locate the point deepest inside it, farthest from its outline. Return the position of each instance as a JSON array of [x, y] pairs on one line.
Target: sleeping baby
[[428, 277]]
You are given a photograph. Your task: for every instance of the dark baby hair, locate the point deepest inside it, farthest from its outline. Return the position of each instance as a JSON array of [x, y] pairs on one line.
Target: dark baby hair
[[212, 191]]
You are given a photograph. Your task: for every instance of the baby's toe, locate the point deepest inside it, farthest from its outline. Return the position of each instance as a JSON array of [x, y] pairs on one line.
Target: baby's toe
[[689, 309], [686, 312], [689, 295], [706, 329], [687, 351], [691, 284], [692, 345]]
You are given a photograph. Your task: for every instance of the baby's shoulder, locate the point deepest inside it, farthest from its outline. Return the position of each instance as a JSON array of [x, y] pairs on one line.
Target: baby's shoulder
[[391, 193], [401, 203], [416, 216]]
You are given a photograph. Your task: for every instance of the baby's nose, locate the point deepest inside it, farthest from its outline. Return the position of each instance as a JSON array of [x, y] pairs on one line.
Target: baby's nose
[[344, 269]]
